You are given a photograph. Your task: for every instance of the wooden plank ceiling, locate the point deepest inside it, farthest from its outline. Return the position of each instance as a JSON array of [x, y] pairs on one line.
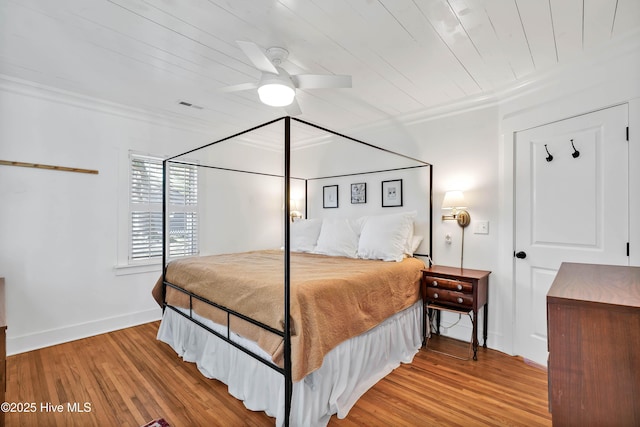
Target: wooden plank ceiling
[[405, 56]]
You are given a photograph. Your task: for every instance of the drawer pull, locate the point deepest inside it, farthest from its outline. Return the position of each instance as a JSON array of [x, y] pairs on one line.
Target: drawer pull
[[460, 300], [459, 287], [435, 283], [435, 295]]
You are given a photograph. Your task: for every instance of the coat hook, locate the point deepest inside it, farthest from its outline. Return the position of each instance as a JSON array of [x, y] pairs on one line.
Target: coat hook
[[549, 157], [575, 153]]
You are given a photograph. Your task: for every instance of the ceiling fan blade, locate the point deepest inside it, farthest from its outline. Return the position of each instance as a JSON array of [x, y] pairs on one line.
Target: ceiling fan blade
[[320, 81], [238, 88], [257, 57], [293, 109]]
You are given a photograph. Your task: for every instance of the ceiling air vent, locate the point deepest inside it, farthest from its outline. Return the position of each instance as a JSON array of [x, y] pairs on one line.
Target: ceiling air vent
[[188, 104]]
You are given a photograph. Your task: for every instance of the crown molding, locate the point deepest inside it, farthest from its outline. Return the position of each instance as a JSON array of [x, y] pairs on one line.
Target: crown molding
[[74, 99]]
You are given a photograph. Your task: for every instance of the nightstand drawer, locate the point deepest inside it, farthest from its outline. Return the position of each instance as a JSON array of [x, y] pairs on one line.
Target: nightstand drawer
[[456, 285], [445, 296]]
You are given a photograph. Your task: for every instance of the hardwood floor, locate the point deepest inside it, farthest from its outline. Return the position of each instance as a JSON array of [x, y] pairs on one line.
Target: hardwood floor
[[127, 378]]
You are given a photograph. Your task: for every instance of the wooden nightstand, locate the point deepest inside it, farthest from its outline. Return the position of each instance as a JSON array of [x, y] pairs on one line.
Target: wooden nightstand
[[457, 290]]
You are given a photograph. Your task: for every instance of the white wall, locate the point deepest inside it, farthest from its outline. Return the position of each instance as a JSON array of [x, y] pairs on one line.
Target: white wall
[[463, 147], [241, 212], [415, 189], [62, 234]]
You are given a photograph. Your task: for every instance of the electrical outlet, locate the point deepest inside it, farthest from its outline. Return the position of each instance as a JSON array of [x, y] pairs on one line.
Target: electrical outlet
[[481, 227]]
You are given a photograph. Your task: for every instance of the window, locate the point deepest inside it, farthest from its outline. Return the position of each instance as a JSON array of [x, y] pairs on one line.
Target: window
[[145, 201]]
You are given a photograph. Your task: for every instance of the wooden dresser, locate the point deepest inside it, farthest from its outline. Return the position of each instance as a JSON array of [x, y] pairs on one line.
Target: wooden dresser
[[3, 349], [594, 346]]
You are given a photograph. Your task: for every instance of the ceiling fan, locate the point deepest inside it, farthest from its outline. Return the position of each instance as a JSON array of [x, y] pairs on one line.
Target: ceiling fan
[[276, 86]]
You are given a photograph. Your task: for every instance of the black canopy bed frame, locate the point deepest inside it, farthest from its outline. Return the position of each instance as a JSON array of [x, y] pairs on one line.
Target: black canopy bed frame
[[285, 333]]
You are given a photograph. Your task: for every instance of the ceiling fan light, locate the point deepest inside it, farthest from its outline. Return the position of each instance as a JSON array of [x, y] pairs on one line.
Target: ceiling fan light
[[276, 94]]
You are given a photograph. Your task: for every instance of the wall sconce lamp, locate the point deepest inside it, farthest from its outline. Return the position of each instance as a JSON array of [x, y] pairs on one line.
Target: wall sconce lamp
[[454, 200], [294, 209]]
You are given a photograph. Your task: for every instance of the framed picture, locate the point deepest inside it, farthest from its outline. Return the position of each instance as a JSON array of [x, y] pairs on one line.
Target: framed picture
[[392, 193], [330, 196], [359, 192]]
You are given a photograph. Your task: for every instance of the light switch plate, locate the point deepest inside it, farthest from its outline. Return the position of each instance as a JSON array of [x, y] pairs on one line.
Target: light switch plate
[[481, 227]]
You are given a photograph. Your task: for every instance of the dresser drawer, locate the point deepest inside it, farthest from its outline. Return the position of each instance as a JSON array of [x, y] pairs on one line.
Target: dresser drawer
[[445, 296], [456, 285]]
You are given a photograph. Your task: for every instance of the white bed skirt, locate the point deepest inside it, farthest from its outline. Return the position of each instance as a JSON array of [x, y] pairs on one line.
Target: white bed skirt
[[347, 372]]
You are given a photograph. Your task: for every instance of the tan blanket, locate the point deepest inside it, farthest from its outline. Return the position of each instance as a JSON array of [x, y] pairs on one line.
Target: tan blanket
[[332, 298]]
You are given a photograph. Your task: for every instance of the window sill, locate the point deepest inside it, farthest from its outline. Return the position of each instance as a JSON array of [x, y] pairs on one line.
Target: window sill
[[126, 269]]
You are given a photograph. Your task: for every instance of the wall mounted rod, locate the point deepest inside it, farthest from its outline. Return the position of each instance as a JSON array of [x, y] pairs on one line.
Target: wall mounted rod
[[50, 167]]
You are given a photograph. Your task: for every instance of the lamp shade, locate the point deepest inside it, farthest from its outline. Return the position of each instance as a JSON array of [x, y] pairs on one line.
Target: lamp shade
[[453, 200], [275, 90], [295, 204]]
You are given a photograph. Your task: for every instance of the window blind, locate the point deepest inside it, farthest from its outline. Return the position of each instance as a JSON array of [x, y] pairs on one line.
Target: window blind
[[146, 209]]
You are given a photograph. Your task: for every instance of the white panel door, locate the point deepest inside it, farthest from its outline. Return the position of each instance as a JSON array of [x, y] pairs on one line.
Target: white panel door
[[572, 181]]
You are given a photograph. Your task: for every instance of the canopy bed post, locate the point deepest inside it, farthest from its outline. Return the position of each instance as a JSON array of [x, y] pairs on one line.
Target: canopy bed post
[[430, 214], [306, 198], [165, 178], [288, 381]]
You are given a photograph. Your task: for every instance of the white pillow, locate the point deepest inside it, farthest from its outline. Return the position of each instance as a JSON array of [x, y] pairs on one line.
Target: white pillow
[[338, 237], [415, 242], [304, 234], [387, 237]]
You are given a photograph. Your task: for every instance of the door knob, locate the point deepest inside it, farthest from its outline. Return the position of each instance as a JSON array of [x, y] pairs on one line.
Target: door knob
[[521, 255]]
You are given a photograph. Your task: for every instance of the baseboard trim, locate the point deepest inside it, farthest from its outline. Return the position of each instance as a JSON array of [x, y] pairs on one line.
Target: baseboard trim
[[25, 343]]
